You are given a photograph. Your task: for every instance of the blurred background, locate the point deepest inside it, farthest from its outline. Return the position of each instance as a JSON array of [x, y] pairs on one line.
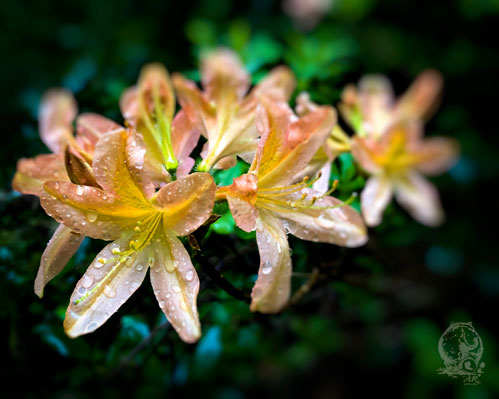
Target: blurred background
[[372, 322]]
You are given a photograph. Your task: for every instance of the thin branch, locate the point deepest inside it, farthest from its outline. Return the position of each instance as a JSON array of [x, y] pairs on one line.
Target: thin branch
[[124, 363], [305, 288]]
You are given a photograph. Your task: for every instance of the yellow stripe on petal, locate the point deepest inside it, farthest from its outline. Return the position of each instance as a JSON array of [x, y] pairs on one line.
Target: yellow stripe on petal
[[176, 285], [106, 285]]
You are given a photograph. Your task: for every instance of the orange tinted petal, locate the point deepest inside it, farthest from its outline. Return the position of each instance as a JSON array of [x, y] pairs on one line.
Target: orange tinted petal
[[176, 285], [421, 99], [243, 212], [90, 128], [89, 210], [364, 151], [304, 138], [278, 84], [273, 285], [187, 202], [61, 247], [32, 173], [56, 114], [436, 155], [106, 285], [112, 172], [222, 74]]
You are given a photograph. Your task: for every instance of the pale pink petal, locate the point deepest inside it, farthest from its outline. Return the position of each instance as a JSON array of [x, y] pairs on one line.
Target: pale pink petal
[[273, 285], [225, 163], [374, 198], [90, 128], [304, 105], [436, 155], [421, 99], [376, 100], [112, 173], [339, 225], [89, 210], [243, 212], [223, 73], [56, 114], [176, 285], [61, 247], [278, 84], [32, 173], [420, 198], [321, 185], [106, 285], [187, 203], [129, 105], [185, 137]]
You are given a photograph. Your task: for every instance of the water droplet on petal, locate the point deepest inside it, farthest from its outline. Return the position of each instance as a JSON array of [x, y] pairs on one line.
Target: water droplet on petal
[[139, 267], [267, 268], [100, 262], [189, 275], [80, 190], [109, 291], [87, 280], [176, 289], [91, 217]]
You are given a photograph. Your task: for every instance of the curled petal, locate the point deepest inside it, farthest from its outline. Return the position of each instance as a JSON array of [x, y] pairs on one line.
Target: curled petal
[[273, 285], [421, 99], [112, 173], [420, 198], [176, 285], [89, 210], [340, 224], [222, 74], [187, 202], [374, 198], [56, 114], [304, 105], [78, 170], [32, 173], [106, 285], [436, 155], [90, 128], [61, 247]]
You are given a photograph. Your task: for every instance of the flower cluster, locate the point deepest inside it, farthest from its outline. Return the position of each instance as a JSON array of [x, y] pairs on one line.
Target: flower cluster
[[138, 187]]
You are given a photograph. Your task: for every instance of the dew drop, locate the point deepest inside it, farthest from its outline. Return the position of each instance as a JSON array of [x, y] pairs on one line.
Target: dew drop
[[109, 291], [189, 275], [139, 267], [91, 217], [82, 291], [133, 286], [176, 289], [175, 263], [267, 268], [80, 190], [87, 280], [91, 327], [161, 304], [100, 262]]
